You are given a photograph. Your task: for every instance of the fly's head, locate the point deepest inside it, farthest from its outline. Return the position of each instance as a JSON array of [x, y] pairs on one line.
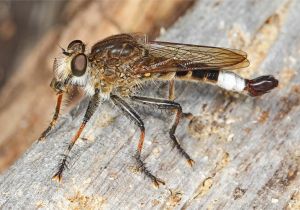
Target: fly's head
[[72, 69]]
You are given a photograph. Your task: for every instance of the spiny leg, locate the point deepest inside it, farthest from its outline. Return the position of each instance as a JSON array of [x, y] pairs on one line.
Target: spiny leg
[[231, 81], [93, 104], [132, 114], [166, 104], [54, 118]]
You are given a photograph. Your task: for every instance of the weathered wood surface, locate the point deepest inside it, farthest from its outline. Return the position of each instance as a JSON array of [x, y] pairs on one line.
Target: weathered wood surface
[[247, 150]]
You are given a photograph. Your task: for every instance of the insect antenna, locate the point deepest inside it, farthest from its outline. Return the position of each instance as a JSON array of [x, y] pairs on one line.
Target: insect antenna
[[63, 50]]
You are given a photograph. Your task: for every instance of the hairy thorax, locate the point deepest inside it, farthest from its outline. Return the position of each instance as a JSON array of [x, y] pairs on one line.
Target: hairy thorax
[[113, 66]]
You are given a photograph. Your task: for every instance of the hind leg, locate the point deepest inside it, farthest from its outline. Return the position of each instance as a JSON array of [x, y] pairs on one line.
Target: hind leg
[[166, 104]]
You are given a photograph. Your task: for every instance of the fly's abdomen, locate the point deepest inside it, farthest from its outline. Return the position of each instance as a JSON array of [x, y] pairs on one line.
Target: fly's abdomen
[[231, 81], [225, 79], [199, 75]]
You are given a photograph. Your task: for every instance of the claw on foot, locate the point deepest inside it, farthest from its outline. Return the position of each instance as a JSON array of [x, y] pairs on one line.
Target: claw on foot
[[57, 177], [41, 138], [44, 134], [157, 182], [191, 162], [188, 115]]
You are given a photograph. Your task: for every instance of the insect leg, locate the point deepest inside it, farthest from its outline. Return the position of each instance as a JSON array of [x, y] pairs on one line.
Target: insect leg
[[130, 113], [172, 90], [54, 118], [231, 81], [93, 104], [172, 98], [166, 104]]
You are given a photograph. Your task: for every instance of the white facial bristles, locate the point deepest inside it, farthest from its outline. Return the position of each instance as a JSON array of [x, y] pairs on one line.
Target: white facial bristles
[[231, 81], [81, 80], [59, 68]]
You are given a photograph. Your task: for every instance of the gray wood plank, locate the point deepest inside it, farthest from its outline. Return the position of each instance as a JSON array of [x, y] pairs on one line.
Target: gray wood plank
[[247, 150]]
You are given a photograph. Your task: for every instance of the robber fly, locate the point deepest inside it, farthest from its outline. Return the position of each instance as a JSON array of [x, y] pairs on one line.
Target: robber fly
[[119, 64]]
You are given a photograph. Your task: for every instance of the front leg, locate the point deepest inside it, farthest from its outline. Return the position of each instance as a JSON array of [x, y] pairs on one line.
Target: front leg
[[93, 104], [54, 118]]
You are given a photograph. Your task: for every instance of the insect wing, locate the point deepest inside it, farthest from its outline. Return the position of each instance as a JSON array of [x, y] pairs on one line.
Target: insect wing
[[168, 57]]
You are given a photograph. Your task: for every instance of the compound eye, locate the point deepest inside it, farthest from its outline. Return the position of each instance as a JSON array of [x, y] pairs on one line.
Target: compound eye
[[78, 65], [76, 46]]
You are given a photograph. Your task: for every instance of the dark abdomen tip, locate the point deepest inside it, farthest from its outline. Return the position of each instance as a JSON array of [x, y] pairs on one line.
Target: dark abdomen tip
[[261, 85]]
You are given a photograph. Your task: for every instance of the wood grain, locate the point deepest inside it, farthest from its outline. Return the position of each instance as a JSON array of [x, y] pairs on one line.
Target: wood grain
[[247, 150]]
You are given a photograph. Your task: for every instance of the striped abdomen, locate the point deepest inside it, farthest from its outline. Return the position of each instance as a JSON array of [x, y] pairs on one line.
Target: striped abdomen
[[203, 75], [231, 81]]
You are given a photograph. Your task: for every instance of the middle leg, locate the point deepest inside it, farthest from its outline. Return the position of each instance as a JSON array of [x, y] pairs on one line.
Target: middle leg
[[131, 114]]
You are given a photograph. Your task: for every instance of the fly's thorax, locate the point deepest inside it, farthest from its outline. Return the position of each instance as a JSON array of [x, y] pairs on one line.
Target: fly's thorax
[[118, 82]]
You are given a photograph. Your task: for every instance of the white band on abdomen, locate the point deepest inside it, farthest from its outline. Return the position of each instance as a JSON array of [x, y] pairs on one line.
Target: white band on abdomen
[[231, 81]]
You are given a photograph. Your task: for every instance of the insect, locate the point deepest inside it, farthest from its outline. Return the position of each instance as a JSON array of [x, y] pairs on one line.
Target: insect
[[116, 66]]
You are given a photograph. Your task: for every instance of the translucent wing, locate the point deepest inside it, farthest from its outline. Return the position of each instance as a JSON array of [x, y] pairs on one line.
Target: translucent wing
[[167, 57]]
